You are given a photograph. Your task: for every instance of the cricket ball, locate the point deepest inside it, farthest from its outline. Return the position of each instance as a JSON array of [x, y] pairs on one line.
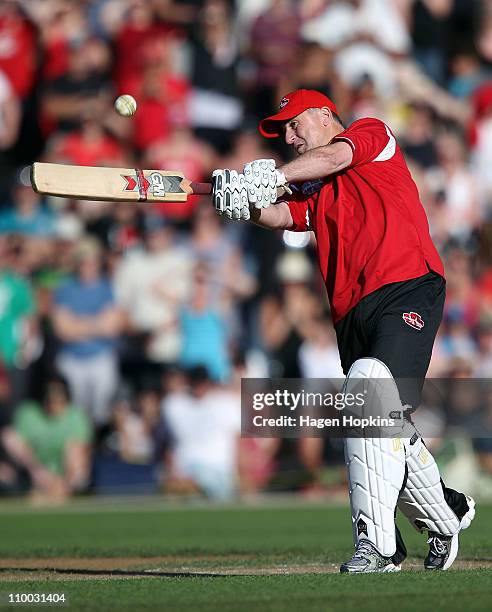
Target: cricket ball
[[125, 105]]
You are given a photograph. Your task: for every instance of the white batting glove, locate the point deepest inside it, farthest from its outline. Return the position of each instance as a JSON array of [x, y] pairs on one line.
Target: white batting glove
[[230, 194], [263, 180]]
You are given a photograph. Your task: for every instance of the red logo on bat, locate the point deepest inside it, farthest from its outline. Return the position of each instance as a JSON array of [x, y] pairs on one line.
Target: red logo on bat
[[413, 319], [132, 183]]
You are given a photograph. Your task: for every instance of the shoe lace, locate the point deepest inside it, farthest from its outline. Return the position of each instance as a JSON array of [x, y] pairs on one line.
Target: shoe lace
[[437, 546], [364, 547]]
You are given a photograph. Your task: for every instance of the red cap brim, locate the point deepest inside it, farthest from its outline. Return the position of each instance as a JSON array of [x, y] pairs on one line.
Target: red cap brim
[[271, 127]]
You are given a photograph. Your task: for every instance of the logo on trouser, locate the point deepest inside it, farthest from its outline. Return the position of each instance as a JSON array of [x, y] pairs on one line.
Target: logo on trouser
[[413, 319], [361, 528]]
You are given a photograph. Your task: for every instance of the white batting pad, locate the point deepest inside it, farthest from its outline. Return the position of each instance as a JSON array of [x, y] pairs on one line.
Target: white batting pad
[[376, 467], [422, 501]]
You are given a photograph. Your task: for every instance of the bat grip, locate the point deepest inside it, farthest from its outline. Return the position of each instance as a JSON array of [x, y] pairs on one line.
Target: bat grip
[[202, 188]]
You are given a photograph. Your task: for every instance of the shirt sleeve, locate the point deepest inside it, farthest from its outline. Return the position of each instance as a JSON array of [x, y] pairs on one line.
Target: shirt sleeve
[[300, 216], [370, 140], [80, 427]]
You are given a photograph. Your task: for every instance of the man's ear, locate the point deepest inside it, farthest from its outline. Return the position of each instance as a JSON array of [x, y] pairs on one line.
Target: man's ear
[[326, 116]]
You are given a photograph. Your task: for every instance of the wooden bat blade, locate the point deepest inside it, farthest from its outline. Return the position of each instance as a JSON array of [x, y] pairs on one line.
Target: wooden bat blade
[[116, 184]]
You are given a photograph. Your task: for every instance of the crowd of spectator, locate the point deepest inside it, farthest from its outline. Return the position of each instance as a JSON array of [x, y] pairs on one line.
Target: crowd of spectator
[[124, 329]]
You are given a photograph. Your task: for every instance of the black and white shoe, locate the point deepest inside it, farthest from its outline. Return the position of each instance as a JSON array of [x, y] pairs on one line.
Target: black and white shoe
[[443, 549], [469, 515], [367, 559]]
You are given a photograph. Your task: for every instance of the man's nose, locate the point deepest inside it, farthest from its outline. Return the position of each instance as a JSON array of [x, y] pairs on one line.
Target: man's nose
[[289, 135]]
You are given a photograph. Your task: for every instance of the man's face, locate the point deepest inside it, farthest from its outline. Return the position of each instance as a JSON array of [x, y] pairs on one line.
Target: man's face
[[307, 131]]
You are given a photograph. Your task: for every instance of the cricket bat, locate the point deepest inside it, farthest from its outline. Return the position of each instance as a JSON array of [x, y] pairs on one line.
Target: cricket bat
[[113, 184]]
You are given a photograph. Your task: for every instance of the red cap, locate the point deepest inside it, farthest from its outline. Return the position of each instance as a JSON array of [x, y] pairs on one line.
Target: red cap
[[290, 106]]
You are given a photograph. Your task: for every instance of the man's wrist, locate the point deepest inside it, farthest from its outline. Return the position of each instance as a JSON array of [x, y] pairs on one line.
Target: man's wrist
[[282, 181]]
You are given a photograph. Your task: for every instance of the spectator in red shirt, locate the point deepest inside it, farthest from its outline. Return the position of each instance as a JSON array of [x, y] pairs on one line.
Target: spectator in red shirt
[[139, 28], [385, 283], [162, 94], [17, 48], [90, 145]]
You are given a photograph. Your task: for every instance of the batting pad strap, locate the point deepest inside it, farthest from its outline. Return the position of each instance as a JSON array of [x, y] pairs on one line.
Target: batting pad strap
[[422, 500]]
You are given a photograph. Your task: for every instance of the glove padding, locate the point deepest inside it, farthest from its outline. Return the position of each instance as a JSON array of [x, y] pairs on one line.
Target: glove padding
[[230, 195], [263, 180]]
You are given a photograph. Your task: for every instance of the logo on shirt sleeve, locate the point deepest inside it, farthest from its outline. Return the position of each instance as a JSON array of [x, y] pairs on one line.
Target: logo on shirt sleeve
[[413, 319], [310, 187]]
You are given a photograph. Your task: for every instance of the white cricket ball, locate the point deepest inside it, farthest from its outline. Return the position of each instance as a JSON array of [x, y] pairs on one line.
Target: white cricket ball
[[125, 105]]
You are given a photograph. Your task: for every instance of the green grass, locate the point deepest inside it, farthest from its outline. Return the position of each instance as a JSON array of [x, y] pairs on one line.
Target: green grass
[[247, 537]]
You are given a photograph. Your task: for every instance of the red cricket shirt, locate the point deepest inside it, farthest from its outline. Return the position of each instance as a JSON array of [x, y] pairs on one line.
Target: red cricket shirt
[[370, 225]]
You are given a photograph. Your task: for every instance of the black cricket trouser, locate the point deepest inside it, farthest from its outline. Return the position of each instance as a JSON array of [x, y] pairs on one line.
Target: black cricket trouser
[[397, 324]]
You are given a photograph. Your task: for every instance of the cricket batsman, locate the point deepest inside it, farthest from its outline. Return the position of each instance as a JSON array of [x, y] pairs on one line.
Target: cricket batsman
[[385, 283]]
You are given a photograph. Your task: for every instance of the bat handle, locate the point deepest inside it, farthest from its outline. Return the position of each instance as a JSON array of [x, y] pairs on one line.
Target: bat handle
[[201, 188]]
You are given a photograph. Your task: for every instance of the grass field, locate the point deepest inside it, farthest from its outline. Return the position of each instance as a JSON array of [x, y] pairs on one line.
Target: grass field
[[278, 557]]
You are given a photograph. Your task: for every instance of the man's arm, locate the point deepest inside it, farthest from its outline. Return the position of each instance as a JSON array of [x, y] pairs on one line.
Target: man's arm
[[318, 163], [264, 182], [277, 216]]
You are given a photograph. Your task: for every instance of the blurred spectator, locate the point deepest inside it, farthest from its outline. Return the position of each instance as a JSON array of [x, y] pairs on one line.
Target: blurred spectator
[[366, 36], [18, 48], [53, 443], [61, 25], [247, 145], [283, 316], [137, 30], [10, 113], [151, 285], [88, 324], [163, 95], [462, 299], [315, 70], [89, 145], [466, 73], [481, 143], [455, 183], [119, 229], [228, 274], [318, 354], [26, 215], [204, 330], [18, 330], [456, 342], [215, 58], [140, 436], [82, 91], [483, 362], [430, 31], [418, 138], [274, 46], [199, 462]]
